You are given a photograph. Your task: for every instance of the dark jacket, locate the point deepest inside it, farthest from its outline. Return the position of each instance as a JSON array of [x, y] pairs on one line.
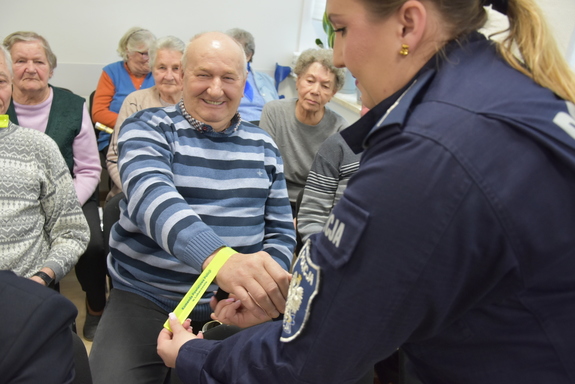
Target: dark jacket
[[454, 240], [35, 333]]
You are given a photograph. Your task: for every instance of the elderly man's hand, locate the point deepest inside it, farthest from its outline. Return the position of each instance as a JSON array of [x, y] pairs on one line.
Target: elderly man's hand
[[257, 281]]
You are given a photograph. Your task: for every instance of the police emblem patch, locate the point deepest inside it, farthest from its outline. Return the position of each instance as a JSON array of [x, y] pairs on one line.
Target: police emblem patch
[[303, 288]]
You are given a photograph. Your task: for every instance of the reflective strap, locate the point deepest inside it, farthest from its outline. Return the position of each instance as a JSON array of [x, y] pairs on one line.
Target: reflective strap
[[197, 290]]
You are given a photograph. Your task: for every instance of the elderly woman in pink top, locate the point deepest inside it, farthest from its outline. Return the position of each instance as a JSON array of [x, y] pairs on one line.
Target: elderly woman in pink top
[[64, 117]]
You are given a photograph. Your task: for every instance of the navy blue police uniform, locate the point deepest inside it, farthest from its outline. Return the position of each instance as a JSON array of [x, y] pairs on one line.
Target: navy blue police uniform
[[453, 241], [36, 340]]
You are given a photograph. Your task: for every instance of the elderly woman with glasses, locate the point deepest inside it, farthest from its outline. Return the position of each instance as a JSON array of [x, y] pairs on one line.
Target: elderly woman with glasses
[[166, 62], [121, 78]]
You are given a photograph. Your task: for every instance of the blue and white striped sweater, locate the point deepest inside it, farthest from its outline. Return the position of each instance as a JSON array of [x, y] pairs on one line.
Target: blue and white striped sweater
[[189, 193]]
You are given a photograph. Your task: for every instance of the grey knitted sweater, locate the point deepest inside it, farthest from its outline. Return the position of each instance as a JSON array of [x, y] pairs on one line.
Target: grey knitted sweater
[[41, 221]]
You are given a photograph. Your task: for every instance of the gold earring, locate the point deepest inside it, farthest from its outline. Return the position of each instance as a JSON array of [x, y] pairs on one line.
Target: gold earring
[[404, 51]]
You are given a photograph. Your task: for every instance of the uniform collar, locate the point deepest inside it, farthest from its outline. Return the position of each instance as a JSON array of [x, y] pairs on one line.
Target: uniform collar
[[391, 111], [394, 111]]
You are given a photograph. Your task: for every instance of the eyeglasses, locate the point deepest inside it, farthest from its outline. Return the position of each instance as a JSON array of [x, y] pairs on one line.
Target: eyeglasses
[[143, 54]]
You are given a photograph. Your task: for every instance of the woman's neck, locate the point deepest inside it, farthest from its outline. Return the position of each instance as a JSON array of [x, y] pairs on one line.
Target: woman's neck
[[308, 117], [30, 97], [171, 98], [133, 72]]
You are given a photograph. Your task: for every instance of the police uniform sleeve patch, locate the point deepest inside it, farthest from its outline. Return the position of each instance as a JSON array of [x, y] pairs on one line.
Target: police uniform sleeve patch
[[341, 233], [303, 288]]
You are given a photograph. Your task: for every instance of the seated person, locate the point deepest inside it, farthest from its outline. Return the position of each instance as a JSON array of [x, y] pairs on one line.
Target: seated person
[[64, 117], [299, 126], [260, 88], [36, 338], [165, 61], [44, 231], [332, 167], [121, 78], [197, 179]]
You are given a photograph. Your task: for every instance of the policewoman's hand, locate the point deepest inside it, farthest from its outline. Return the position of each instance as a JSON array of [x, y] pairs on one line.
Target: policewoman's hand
[[231, 311], [169, 343]]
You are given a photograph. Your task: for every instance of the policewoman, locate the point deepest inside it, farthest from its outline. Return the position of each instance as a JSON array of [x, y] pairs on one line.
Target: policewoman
[[454, 240]]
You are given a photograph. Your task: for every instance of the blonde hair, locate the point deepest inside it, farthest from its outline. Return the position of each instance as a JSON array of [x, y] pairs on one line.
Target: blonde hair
[[539, 56], [133, 38]]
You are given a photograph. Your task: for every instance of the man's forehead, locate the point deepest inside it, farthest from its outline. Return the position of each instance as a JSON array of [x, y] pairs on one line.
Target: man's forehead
[[210, 60], [208, 68]]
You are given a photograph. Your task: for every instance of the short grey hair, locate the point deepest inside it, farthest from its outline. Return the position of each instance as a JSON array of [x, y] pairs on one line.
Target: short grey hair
[[7, 59], [325, 58], [20, 36], [245, 38], [133, 38], [168, 43]]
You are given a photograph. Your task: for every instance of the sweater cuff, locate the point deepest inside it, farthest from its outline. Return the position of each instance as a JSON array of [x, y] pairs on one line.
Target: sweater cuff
[[58, 271], [201, 247]]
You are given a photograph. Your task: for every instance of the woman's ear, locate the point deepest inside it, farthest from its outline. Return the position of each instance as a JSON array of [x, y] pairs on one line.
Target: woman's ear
[[413, 16]]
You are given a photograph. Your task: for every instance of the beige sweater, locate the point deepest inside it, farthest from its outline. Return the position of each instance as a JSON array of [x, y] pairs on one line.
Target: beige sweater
[[134, 102]]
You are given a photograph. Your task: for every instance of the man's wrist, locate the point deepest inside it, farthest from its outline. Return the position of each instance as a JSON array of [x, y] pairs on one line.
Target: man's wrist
[[209, 259], [222, 251]]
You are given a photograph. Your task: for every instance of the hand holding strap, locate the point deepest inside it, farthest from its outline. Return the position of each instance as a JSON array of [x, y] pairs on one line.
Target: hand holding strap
[[202, 283]]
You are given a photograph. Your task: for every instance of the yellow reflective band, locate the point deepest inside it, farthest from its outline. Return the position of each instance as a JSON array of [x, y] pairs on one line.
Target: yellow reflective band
[[189, 301], [4, 120], [104, 128]]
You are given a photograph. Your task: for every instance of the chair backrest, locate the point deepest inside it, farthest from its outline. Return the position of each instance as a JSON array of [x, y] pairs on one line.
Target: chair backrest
[[91, 101], [90, 105], [280, 74]]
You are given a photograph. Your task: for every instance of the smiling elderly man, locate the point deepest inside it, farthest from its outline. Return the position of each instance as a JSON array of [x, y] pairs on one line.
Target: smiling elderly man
[[197, 180]]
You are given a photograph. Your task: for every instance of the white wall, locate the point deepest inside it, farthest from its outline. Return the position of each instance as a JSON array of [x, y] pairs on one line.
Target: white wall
[[84, 33], [561, 18]]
